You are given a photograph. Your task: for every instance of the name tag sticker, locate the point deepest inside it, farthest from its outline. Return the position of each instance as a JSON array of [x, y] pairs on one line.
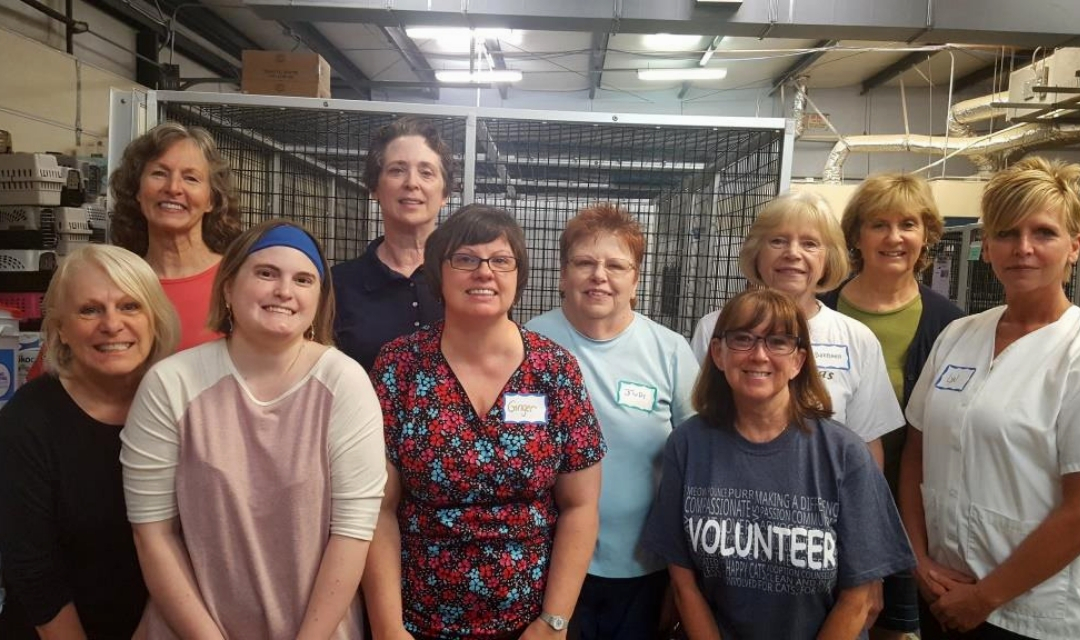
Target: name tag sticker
[[524, 407], [954, 378], [637, 396], [832, 356]]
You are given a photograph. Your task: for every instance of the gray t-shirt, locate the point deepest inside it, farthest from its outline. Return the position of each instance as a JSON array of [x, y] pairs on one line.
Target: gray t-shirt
[[774, 530]]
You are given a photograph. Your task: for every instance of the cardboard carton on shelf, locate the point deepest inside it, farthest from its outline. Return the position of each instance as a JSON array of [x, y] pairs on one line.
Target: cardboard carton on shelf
[[285, 73]]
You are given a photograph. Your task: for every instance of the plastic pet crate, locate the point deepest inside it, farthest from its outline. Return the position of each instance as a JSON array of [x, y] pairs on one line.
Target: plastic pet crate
[[27, 260], [27, 227], [31, 304], [31, 178]]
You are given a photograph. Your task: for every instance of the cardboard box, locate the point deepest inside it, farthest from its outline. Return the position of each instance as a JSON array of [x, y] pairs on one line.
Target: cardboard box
[[286, 73]]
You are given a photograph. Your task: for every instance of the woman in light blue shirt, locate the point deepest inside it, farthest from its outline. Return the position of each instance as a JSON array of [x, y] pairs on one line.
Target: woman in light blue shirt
[[639, 375]]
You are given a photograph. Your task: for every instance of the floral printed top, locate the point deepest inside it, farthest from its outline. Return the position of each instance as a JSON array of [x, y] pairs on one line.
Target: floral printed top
[[477, 513]]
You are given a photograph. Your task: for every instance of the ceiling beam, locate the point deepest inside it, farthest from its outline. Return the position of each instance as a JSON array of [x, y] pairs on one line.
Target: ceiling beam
[[208, 24], [597, 59], [996, 22], [142, 16], [802, 63], [339, 62], [412, 55], [894, 69], [683, 90], [498, 62], [1019, 59]]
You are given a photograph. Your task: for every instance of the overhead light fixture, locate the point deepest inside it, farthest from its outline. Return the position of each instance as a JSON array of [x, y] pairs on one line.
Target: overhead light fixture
[[698, 73], [512, 36], [479, 77], [670, 42]]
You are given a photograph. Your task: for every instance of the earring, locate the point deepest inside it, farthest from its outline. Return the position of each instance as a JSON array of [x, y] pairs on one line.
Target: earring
[[310, 333], [228, 319]]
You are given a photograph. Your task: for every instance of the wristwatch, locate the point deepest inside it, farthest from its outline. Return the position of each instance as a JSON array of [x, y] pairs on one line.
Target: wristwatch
[[557, 623]]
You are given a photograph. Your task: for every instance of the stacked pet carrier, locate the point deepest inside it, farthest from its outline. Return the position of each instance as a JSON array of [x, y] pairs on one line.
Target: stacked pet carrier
[[44, 215]]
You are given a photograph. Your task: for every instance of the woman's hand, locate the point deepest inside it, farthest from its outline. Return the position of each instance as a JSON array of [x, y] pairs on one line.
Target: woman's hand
[[935, 579], [963, 607]]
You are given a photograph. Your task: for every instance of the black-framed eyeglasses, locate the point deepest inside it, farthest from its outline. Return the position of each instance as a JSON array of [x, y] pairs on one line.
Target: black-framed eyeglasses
[[781, 344], [469, 262]]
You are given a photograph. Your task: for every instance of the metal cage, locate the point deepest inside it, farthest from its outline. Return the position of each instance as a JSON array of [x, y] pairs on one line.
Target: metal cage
[[694, 183], [960, 273]]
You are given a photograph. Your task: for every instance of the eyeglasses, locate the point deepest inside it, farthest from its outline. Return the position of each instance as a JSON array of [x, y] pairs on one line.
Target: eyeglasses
[[615, 267], [781, 344], [469, 262]]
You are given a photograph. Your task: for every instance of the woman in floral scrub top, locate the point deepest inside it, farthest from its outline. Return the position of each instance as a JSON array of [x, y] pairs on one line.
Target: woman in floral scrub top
[[490, 514]]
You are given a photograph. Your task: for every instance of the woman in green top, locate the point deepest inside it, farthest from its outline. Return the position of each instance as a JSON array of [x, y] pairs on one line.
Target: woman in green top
[[889, 224]]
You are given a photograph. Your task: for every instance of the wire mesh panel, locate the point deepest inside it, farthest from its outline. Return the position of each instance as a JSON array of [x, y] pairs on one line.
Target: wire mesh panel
[[943, 275], [306, 165], [695, 184], [694, 190]]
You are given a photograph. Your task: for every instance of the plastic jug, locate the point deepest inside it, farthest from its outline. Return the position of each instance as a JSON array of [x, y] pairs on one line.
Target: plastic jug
[[9, 353]]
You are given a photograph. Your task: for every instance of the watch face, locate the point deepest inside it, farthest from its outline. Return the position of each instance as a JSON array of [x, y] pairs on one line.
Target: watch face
[[557, 623]]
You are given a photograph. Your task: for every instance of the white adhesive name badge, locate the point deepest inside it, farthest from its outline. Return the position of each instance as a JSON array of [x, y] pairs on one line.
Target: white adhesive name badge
[[831, 356], [524, 407], [637, 396], [954, 378]]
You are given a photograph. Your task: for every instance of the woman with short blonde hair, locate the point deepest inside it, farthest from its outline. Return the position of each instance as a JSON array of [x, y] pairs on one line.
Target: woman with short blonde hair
[[990, 482], [70, 566], [795, 245]]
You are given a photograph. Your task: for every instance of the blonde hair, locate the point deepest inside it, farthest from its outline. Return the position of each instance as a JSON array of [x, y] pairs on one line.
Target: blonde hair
[[1029, 186], [887, 193], [132, 275], [797, 207]]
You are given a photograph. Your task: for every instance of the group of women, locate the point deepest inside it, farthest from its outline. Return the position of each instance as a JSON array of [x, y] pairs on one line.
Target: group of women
[[445, 463]]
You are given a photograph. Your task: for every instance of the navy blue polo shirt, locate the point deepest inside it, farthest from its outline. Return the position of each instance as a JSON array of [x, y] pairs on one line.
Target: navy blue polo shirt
[[376, 304]]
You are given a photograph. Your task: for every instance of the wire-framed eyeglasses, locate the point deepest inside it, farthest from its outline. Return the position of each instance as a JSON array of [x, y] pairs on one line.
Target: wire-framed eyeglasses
[[781, 344], [469, 262]]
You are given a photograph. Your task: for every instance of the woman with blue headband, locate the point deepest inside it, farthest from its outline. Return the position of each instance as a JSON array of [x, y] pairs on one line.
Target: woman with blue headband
[[254, 465]]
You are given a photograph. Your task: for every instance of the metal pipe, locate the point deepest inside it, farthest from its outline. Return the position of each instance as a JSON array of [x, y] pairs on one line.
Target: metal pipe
[[69, 32], [76, 26]]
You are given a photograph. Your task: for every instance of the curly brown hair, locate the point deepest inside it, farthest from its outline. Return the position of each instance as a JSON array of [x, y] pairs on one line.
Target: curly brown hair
[[220, 226]]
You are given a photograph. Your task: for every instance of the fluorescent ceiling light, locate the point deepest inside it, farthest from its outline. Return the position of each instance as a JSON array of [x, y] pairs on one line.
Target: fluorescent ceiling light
[[670, 42], [699, 73], [437, 33], [490, 75]]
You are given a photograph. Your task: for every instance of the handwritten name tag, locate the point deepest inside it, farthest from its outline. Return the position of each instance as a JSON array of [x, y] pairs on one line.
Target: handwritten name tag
[[637, 396], [832, 356], [954, 378], [524, 407]]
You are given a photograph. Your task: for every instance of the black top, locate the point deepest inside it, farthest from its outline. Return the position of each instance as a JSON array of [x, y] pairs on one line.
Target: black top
[[64, 533], [376, 304], [937, 312]]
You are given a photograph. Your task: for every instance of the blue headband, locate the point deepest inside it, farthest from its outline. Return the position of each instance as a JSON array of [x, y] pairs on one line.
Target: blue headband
[[292, 237]]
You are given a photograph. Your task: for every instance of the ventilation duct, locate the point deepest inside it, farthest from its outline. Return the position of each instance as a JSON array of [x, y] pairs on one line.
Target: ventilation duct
[[969, 112], [1015, 138]]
